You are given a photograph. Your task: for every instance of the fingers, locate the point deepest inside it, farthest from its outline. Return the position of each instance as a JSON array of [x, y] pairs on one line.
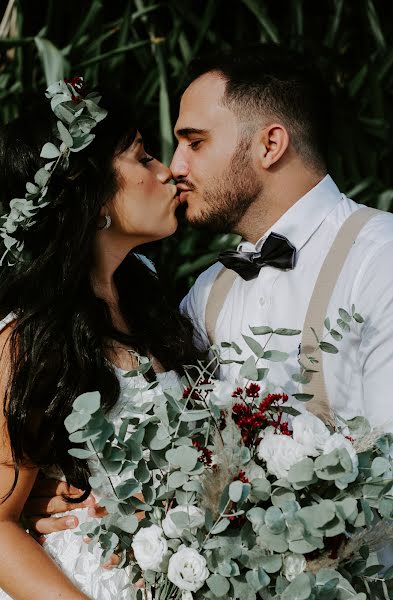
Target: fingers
[[39, 527], [48, 488], [50, 506], [112, 562], [97, 512]]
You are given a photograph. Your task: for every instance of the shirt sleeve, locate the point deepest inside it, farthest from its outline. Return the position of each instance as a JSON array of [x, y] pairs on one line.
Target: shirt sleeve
[[375, 304]]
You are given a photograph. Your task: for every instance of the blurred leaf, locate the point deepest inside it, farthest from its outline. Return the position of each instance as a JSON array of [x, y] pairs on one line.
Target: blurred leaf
[[52, 60]]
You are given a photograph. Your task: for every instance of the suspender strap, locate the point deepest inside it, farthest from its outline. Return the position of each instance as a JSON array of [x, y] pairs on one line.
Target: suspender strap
[[219, 291], [317, 309]]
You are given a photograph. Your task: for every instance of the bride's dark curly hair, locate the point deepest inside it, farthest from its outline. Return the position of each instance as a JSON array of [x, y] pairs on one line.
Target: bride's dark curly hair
[[57, 345]]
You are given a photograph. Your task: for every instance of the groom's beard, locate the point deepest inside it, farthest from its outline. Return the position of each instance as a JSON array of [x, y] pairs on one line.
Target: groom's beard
[[229, 197]]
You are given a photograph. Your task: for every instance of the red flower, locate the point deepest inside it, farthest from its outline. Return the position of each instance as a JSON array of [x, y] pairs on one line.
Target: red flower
[[190, 393], [237, 393], [252, 390], [206, 454]]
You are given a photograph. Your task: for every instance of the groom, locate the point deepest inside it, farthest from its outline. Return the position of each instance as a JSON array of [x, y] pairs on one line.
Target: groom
[[251, 134]]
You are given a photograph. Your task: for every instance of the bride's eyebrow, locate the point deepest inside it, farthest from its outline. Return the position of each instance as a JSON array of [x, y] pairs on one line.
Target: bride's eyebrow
[[138, 141]]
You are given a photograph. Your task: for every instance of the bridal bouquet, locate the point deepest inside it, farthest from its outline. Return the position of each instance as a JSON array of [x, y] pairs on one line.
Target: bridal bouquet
[[238, 493]]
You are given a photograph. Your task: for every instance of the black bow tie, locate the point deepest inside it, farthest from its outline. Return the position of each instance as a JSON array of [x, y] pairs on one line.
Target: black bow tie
[[276, 252]]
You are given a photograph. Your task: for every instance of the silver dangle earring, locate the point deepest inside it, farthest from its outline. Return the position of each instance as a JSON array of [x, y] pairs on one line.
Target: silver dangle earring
[[107, 224]]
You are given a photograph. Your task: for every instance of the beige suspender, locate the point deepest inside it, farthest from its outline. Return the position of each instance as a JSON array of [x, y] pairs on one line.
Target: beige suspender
[[216, 299], [317, 308]]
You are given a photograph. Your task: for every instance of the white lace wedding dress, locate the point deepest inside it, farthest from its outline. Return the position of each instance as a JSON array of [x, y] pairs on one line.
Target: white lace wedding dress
[[69, 550]]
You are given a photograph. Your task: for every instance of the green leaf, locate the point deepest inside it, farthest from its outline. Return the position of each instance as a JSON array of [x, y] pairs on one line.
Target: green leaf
[[326, 347], [76, 421], [388, 574], [41, 177], [81, 453], [358, 318], [65, 135], [235, 491], [53, 61], [49, 150], [218, 584], [261, 488], [220, 526], [302, 471], [263, 330], [128, 489], [195, 415], [275, 355], [257, 579], [379, 466], [327, 323], [271, 564], [88, 402], [336, 335], [302, 378], [177, 479], [303, 397], [248, 369], [128, 524], [344, 315], [282, 331], [275, 520], [298, 589], [254, 346], [343, 325]]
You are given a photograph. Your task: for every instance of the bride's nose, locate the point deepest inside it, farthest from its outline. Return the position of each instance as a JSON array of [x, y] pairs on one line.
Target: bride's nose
[[164, 174]]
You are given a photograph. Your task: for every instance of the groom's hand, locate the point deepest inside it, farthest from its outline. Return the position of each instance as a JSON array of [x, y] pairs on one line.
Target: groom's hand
[[46, 500]]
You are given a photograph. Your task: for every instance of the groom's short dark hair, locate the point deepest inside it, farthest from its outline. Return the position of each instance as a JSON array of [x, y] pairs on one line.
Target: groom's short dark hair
[[272, 81]]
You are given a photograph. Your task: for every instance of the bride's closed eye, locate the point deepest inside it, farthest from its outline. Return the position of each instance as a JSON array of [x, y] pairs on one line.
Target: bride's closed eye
[[146, 159]]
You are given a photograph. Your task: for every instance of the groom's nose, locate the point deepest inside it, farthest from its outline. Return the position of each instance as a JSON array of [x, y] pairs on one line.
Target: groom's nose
[[179, 166]]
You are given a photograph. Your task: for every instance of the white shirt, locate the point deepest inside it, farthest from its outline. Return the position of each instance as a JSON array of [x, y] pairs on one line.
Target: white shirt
[[359, 379]]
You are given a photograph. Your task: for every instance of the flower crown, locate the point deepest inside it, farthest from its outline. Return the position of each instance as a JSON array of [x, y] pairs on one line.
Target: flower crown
[[78, 115]]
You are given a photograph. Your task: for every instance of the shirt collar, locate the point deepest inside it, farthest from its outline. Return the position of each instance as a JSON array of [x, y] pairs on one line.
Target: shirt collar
[[301, 221]]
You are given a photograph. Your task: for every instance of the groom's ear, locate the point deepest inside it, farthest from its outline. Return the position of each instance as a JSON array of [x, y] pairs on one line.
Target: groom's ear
[[272, 143]]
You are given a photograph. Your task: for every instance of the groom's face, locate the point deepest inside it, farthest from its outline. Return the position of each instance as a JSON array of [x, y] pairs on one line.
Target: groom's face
[[213, 162]]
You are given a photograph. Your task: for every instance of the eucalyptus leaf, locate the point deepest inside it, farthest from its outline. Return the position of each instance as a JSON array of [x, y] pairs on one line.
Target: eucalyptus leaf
[[263, 330]]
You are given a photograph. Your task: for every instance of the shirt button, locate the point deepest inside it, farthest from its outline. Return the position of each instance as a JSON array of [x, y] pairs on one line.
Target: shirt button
[[262, 301]]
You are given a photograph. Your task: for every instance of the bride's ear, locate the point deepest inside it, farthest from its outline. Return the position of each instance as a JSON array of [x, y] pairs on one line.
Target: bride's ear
[[272, 143]]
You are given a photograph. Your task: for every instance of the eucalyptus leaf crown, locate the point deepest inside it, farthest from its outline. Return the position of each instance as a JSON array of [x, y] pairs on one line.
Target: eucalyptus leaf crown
[[77, 115]]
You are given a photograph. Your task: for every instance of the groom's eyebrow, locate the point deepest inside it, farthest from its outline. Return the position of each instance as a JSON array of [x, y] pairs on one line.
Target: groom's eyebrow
[[186, 132]]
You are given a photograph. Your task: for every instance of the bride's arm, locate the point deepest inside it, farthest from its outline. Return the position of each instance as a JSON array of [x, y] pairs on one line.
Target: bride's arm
[[26, 571]]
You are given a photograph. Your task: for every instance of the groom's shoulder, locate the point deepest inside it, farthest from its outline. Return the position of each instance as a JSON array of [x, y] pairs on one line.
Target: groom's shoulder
[[379, 229]]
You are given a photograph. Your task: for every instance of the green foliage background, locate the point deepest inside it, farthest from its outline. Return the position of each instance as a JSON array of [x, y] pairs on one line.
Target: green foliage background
[[142, 48]]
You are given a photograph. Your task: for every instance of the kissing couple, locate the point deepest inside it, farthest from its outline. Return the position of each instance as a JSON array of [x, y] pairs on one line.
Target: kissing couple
[[78, 302]]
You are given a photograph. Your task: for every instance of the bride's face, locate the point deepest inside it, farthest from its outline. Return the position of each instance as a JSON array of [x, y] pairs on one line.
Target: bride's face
[[143, 209]]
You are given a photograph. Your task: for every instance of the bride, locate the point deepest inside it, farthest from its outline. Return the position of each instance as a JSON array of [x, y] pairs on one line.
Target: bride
[[76, 304]]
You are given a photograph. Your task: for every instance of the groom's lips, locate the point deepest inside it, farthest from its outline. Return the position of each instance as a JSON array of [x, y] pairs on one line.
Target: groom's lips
[[183, 191]]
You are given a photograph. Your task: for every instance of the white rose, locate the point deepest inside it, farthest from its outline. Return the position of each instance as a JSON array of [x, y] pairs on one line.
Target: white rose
[[337, 440], [187, 569], [150, 548], [280, 452], [196, 517], [222, 394], [310, 432], [294, 564]]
